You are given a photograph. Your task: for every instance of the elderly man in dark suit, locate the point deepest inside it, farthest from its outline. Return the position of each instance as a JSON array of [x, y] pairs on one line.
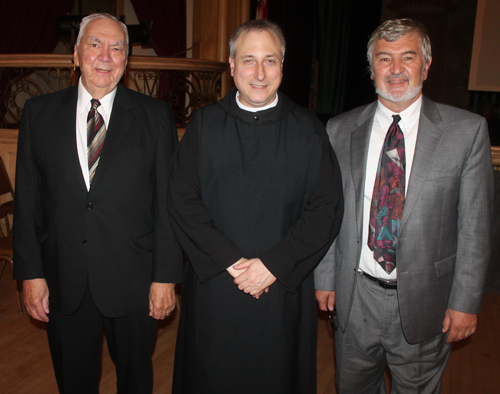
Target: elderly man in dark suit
[[406, 273], [92, 237]]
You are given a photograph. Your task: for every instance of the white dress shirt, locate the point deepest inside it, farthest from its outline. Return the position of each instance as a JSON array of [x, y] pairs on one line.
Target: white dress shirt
[[381, 123], [82, 111]]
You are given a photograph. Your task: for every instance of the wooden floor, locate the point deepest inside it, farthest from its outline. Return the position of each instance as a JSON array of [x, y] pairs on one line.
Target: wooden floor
[[25, 365]]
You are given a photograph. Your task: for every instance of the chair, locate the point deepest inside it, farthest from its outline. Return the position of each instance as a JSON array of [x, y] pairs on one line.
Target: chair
[[6, 209], [6, 255]]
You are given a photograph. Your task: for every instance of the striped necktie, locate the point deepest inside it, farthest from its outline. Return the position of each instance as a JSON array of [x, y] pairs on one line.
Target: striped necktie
[[96, 132]]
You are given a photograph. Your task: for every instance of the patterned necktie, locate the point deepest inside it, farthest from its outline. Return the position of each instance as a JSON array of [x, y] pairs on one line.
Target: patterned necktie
[[388, 198], [96, 132]]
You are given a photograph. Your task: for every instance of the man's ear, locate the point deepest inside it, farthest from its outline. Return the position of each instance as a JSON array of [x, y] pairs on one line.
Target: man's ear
[[427, 68], [231, 65], [75, 57]]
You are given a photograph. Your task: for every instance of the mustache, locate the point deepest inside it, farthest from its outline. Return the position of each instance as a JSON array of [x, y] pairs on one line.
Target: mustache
[[402, 76]]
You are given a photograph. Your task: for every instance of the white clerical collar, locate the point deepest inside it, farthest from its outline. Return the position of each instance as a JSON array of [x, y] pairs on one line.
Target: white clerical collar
[[251, 109], [409, 116]]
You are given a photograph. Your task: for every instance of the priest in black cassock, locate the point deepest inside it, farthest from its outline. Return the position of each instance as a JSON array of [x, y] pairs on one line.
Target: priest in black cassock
[[255, 200]]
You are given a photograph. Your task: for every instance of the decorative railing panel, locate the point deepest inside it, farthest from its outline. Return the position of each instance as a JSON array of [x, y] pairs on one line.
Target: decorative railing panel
[[187, 84]]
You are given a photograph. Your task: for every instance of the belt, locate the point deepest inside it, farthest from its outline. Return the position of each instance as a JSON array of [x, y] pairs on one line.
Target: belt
[[384, 283]]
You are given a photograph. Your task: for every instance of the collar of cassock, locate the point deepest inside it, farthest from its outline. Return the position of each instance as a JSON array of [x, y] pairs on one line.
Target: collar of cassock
[[271, 115]]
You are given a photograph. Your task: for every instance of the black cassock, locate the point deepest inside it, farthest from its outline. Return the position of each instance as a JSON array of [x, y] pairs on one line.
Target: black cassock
[[244, 184]]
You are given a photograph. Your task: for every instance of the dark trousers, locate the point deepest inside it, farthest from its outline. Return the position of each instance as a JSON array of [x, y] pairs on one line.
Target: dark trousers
[[75, 343]]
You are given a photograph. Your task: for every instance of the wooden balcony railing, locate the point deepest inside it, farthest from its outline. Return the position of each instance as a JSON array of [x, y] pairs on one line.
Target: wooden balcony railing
[[495, 157], [187, 84]]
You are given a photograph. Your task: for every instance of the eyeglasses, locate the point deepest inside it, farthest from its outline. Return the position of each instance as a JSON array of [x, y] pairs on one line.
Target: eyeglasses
[[331, 319]]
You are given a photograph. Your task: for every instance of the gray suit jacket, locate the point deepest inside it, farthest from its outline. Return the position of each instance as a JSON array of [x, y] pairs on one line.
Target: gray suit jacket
[[444, 243]]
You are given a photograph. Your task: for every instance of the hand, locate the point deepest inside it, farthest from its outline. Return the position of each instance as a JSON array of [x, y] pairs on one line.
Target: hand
[[236, 272], [256, 296], [459, 325], [326, 299], [256, 279], [36, 299], [161, 300]]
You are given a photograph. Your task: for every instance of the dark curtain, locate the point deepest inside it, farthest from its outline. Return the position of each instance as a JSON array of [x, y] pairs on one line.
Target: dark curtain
[[331, 34], [296, 19], [342, 31], [330, 54], [28, 26], [169, 24]]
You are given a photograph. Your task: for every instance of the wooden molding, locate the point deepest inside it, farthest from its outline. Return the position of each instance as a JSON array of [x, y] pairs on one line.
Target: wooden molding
[[135, 62]]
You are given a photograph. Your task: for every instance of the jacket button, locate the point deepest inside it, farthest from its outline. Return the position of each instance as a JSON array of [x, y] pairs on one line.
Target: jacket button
[[85, 243], [89, 206], [256, 117]]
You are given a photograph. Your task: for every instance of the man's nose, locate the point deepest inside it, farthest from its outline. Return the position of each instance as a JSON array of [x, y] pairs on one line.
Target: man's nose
[[105, 54], [260, 72], [397, 66]]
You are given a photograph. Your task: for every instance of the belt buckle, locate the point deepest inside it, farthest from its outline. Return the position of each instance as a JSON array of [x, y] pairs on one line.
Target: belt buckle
[[386, 284]]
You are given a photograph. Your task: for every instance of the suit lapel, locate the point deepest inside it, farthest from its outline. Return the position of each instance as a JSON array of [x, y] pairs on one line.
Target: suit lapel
[[119, 125], [65, 124], [426, 147], [360, 139]]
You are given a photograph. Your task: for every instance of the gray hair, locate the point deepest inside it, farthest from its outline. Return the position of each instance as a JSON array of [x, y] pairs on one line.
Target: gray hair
[[394, 29], [257, 25], [101, 15]]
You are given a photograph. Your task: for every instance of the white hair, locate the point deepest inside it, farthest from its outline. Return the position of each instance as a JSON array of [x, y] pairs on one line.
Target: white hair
[[101, 15]]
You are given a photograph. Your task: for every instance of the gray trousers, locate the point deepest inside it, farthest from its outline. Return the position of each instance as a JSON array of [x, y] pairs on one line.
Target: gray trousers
[[374, 338]]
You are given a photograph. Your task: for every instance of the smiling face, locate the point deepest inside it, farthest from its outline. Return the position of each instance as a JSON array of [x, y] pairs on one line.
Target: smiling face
[[257, 68], [398, 70], [101, 56]]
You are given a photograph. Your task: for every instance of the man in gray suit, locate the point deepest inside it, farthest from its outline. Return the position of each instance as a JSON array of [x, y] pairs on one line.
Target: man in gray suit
[[406, 273]]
